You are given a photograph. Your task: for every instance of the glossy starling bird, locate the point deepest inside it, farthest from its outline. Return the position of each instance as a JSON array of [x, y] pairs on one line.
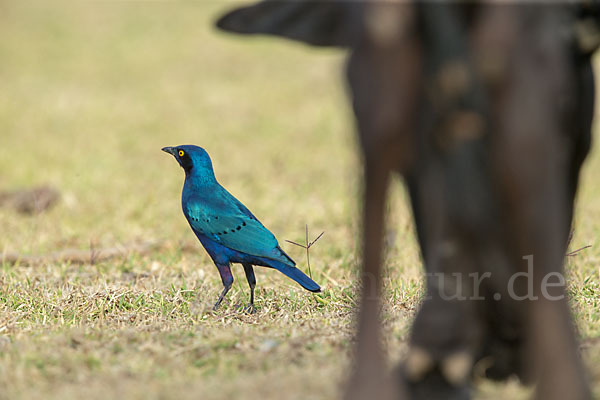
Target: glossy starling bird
[[229, 232]]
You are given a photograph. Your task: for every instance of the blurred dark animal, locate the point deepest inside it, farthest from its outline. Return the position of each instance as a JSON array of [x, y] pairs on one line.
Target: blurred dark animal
[[485, 110], [30, 201]]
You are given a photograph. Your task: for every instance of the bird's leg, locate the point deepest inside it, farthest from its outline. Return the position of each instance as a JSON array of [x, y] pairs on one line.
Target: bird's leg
[[252, 282], [221, 297], [227, 280]]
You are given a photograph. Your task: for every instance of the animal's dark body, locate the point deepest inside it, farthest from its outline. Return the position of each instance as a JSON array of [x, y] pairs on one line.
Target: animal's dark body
[[486, 111], [229, 232]]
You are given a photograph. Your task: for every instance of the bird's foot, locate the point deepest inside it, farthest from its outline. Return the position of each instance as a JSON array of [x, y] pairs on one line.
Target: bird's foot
[[247, 309]]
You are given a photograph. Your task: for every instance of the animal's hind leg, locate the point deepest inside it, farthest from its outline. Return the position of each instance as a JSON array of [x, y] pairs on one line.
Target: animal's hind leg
[[447, 329], [531, 154], [537, 213], [249, 270], [453, 204]]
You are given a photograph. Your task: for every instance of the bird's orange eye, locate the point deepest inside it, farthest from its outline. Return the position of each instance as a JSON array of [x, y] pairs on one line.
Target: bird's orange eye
[[181, 153]]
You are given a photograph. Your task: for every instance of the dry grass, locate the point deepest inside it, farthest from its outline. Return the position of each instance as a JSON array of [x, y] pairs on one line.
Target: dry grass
[[90, 93]]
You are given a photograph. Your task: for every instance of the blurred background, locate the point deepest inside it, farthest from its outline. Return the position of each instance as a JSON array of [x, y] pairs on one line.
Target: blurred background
[[89, 93]]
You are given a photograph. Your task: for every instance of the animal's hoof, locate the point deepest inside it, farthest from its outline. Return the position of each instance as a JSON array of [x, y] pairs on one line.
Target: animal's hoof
[[418, 363], [501, 359], [430, 379], [457, 368]]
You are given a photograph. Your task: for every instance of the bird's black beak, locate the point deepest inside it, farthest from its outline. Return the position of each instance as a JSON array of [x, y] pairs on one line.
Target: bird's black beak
[[170, 150]]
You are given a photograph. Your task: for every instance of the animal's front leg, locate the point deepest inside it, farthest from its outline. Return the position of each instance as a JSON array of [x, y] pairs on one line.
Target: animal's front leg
[[370, 377], [384, 74]]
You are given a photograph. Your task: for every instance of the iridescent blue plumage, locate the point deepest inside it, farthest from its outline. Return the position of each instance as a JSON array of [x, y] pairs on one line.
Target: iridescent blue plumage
[[229, 232]]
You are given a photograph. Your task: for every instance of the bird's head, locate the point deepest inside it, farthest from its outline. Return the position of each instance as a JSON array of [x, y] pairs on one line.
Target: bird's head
[[193, 159]]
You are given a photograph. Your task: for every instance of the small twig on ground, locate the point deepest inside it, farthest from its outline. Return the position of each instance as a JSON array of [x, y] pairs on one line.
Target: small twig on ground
[[574, 252], [307, 247]]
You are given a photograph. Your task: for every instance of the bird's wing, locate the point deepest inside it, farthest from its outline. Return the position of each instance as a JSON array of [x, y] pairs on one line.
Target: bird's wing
[[224, 221]]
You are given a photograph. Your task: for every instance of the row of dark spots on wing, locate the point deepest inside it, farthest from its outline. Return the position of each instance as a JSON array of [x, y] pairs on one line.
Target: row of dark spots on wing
[[207, 219], [224, 232], [237, 228]]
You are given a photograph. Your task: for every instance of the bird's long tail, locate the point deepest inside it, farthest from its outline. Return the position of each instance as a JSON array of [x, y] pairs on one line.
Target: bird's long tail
[[295, 274], [301, 278]]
